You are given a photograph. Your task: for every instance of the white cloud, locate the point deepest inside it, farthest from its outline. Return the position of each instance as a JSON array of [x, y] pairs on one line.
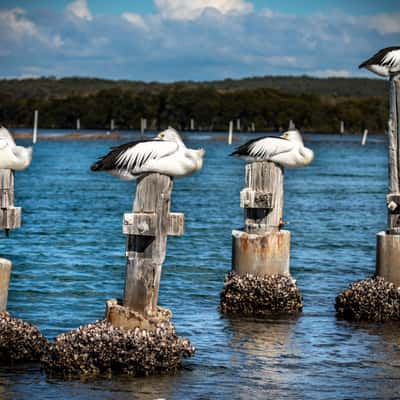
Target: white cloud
[[80, 9], [16, 24], [191, 9], [135, 19], [385, 23]]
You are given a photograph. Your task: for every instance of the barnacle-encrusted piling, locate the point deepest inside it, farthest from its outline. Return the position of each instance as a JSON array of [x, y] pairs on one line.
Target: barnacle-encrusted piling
[[137, 336], [260, 281], [260, 295], [20, 340], [373, 299], [101, 348]]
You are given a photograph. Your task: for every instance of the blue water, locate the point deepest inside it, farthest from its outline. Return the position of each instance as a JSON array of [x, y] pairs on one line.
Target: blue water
[[68, 259]]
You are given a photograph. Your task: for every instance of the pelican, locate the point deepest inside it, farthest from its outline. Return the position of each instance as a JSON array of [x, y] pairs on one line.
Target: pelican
[[165, 154], [287, 150], [385, 62], [12, 156]]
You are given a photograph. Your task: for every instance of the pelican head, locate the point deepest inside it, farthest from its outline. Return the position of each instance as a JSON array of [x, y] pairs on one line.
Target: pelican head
[[170, 134], [293, 135]]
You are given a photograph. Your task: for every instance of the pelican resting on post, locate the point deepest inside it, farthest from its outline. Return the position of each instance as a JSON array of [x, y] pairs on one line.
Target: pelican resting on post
[[385, 62], [12, 156], [165, 154], [286, 150]]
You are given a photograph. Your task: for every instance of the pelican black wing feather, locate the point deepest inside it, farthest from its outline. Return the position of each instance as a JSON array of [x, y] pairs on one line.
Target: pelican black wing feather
[[108, 162], [377, 59], [244, 149]]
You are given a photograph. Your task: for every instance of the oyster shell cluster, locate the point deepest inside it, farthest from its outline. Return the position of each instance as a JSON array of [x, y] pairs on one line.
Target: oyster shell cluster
[[373, 299], [260, 295], [100, 348], [20, 340]]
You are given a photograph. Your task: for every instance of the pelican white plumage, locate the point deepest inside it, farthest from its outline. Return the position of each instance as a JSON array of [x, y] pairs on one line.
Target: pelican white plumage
[[165, 154], [287, 150], [12, 156], [385, 62]]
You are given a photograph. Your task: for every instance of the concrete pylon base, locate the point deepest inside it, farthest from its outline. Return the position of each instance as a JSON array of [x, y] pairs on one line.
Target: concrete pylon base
[[388, 257], [261, 254]]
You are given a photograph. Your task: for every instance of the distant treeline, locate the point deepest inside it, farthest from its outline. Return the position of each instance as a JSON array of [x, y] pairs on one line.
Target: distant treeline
[[176, 104]]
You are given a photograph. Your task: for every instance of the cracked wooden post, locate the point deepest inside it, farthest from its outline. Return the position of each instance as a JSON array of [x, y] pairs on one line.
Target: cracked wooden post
[[10, 218], [147, 229], [388, 243], [262, 248], [5, 272]]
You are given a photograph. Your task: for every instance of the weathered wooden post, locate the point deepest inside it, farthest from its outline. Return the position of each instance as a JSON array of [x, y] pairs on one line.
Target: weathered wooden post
[[5, 272], [388, 243], [341, 127], [262, 248], [291, 125], [78, 124], [10, 216], [260, 282], [230, 132], [238, 126], [147, 229], [364, 137], [35, 126], [192, 124], [378, 298]]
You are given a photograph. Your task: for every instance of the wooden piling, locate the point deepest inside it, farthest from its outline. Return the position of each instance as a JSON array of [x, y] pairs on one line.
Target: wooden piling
[[10, 216], [78, 124], [262, 248], [388, 243], [230, 132], [147, 229], [364, 137], [341, 127], [35, 126], [5, 273], [292, 126]]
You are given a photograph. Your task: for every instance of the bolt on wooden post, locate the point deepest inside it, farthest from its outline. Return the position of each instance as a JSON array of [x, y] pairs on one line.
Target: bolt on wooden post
[[147, 229], [262, 248], [388, 243]]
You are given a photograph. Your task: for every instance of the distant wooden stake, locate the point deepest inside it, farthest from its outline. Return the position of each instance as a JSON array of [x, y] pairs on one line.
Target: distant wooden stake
[[238, 128], [147, 229], [5, 272], [78, 124], [341, 127], [230, 133], [35, 126], [292, 126], [364, 138], [192, 124], [112, 125], [142, 127]]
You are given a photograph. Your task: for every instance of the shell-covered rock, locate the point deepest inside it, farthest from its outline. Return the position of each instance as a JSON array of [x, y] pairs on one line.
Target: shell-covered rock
[[373, 299], [260, 295], [20, 340], [100, 348]]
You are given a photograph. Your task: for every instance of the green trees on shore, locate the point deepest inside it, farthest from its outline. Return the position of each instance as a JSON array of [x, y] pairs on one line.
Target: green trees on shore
[[211, 108]]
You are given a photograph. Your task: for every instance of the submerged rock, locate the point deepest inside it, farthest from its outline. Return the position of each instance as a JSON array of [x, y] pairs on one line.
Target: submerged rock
[[373, 299], [20, 340], [101, 348], [256, 295]]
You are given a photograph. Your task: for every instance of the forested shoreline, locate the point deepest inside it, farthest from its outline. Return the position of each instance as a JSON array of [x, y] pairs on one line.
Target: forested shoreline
[[315, 106]]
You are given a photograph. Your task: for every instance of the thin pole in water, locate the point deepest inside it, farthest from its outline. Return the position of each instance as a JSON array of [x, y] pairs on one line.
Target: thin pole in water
[[230, 134], [291, 125], [341, 127], [364, 138], [35, 126], [142, 127], [112, 125], [192, 124], [78, 124]]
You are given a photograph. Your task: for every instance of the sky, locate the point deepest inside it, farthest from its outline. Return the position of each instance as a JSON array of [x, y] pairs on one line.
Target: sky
[[171, 40]]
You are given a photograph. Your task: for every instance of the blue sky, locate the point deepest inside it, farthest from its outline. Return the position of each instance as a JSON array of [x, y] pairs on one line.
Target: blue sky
[[168, 40]]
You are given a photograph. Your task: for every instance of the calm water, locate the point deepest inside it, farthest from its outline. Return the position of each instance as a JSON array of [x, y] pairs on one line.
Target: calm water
[[68, 259]]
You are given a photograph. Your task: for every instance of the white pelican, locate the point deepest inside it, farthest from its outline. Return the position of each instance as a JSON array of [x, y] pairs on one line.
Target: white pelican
[[13, 156], [385, 62], [166, 154], [287, 150]]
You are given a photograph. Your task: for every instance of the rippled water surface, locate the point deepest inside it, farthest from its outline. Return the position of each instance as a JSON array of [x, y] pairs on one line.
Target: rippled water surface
[[68, 259]]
